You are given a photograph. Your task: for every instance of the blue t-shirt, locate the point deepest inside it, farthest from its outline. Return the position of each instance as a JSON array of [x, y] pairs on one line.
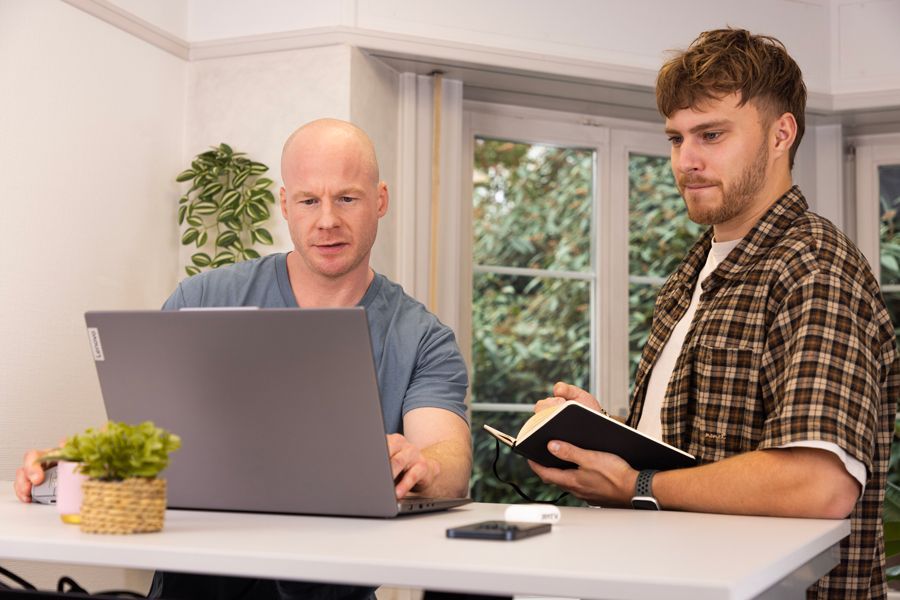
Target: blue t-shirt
[[417, 363], [417, 360]]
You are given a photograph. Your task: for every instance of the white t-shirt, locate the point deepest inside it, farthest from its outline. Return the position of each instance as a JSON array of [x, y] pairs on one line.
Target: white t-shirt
[[651, 416]]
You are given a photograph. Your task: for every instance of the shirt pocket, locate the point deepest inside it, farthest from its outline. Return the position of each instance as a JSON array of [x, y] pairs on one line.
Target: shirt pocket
[[724, 390]]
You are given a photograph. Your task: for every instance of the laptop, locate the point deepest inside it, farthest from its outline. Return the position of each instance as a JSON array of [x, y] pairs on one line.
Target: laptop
[[278, 410]]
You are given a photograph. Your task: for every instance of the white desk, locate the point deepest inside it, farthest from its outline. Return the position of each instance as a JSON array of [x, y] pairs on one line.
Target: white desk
[[591, 553]]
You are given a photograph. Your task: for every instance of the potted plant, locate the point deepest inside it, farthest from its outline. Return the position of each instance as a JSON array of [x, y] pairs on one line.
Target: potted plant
[[226, 205], [122, 493]]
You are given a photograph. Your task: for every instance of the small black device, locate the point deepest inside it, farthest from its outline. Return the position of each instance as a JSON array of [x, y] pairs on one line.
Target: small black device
[[498, 530], [45, 492]]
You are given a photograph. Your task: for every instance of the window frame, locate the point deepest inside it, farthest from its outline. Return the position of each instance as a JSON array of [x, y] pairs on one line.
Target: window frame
[[612, 140], [872, 152]]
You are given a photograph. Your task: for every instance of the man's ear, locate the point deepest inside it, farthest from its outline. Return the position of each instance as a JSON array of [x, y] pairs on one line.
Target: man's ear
[[784, 132], [383, 199], [283, 195]]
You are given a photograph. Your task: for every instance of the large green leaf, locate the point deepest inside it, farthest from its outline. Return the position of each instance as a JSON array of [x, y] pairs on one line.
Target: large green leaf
[[222, 258], [206, 208], [225, 215], [201, 259], [262, 183], [185, 175], [226, 238], [262, 236], [189, 236], [211, 189], [231, 199]]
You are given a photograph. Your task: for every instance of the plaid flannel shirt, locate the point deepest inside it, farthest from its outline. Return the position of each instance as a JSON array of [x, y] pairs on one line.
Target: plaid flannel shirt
[[791, 341]]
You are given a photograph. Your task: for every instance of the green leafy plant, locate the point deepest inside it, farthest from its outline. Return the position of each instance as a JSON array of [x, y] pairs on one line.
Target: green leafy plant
[[119, 451], [891, 512], [226, 204]]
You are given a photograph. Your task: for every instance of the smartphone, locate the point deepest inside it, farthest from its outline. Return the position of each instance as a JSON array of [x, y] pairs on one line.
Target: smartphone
[[498, 530], [45, 492]]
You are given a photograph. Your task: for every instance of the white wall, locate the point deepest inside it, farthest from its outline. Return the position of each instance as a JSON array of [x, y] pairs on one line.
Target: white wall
[[866, 45], [91, 125], [374, 100], [845, 47], [254, 102]]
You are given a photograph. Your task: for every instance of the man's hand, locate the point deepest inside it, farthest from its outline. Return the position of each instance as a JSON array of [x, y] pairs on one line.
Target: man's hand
[[411, 470], [564, 391], [31, 473], [601, 478]]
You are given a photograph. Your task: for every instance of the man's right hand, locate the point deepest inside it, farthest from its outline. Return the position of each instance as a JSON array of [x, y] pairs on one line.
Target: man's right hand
[[563, 392], [31, 473]]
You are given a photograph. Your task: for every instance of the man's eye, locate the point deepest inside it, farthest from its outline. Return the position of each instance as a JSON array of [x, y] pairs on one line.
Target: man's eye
[[711, 136], [675, 140], [347, 199], [308, 201]]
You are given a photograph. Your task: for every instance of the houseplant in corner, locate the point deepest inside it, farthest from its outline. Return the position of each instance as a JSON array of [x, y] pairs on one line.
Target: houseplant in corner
[[122, 493], [225, 207]]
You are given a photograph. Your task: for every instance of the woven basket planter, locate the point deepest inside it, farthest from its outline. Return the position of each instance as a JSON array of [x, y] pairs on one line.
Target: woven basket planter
[[136, 505]]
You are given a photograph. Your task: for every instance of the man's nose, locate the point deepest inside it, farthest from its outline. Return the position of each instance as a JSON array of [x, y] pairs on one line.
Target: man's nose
[[328, 219], [686, 158]]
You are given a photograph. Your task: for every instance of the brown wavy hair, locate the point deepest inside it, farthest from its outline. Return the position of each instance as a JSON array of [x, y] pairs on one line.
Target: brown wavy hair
[[725, 61]]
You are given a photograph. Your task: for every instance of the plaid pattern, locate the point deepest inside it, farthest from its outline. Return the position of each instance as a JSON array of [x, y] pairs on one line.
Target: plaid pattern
[[791, 342]]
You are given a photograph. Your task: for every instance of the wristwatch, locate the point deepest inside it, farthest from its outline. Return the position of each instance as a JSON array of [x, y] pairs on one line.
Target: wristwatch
[[643, 492]]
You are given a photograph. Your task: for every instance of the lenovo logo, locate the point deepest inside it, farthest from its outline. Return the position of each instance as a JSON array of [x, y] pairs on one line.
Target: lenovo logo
[[96, 346]]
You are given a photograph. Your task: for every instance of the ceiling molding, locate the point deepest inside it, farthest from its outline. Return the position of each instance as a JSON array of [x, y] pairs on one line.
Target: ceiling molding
[[129, 23], [503, 71]]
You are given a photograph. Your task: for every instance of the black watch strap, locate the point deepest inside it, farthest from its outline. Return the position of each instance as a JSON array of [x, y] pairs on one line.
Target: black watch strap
[[643, 491]]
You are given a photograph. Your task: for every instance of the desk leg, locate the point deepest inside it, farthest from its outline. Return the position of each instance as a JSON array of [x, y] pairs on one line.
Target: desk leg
[[794, 585]]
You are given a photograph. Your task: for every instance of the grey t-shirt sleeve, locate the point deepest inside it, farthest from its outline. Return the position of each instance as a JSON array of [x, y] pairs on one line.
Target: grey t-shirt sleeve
[[439, 378], [176, 301]]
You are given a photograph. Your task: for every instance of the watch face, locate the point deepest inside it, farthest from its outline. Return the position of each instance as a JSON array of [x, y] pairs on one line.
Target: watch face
[[644, 503]]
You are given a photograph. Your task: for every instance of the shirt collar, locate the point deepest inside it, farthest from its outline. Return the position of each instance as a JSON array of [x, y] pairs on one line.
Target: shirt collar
[[767, 231]]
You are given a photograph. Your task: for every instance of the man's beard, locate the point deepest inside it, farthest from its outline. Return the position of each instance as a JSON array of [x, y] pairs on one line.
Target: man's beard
[[736, 198]]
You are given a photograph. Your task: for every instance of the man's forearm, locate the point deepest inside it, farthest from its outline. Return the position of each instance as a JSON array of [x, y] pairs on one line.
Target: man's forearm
[[787, 482], [454, 463]]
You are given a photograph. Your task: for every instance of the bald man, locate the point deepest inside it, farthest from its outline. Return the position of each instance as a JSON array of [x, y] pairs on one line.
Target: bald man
[[332, 200]]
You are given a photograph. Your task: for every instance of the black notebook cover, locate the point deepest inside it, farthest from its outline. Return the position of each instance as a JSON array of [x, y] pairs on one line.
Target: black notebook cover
[[588, 429]]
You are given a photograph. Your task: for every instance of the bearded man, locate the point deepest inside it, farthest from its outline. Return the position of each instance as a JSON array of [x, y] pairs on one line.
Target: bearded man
[[771, 355]]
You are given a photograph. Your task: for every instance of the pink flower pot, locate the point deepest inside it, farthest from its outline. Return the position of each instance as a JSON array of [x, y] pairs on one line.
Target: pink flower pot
[[68, 492]]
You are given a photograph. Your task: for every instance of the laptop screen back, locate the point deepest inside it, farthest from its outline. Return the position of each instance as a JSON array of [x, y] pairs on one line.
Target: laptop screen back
[[278, 409]]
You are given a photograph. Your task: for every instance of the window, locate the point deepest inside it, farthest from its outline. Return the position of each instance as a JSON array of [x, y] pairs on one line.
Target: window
[[573, 228], [660, 235], [878, 221], [533, 282], [889, 210]]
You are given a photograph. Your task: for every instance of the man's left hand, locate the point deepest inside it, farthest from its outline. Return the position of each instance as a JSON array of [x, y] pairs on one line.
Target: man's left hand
[[601, 478], [411, 470]]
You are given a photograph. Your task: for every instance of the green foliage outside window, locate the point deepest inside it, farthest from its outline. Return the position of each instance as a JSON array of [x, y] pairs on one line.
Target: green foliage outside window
[[532, 209], [659, 236], [889, 186]]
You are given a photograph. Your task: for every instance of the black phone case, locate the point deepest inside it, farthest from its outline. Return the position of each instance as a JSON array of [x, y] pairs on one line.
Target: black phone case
[[498, 530]]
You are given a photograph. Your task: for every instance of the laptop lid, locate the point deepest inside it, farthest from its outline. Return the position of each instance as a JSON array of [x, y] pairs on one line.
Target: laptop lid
[[278, 409]]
